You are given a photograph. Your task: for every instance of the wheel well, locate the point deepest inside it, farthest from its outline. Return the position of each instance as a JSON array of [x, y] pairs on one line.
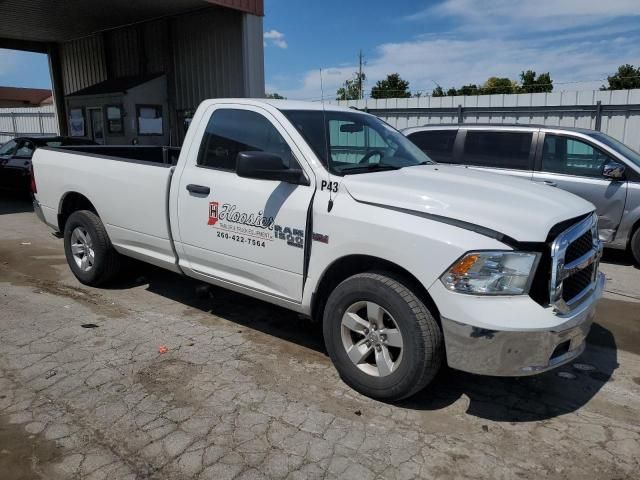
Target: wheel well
[[72, 202], [348, 266], [634, 229]]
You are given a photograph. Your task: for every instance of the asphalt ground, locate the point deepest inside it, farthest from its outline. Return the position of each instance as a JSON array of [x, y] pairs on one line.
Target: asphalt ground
[[246, 390]]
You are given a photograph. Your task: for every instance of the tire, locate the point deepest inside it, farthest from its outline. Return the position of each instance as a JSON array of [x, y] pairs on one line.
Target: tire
[[635, 246], [101, 262], [415, 364]]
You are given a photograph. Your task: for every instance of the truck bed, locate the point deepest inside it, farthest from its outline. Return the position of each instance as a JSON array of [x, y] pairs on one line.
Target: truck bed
[[165, 155], [127, 185]]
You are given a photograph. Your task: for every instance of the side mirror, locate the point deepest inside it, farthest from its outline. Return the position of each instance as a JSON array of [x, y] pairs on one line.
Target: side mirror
[[267, 166], [613, 171]]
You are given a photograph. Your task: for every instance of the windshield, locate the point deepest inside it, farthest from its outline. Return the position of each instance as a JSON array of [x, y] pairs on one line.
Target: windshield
[[9, 148], [619, 147], [357, 142]]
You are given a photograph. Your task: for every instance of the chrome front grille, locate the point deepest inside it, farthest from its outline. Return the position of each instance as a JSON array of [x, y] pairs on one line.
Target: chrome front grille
[[575, 255]]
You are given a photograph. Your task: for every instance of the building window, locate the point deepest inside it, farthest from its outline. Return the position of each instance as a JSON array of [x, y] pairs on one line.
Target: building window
[[149, 119], [115, 121], [76, 122]]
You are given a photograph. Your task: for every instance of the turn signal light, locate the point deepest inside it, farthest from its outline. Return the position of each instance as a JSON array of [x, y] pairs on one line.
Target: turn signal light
[[463, 266]]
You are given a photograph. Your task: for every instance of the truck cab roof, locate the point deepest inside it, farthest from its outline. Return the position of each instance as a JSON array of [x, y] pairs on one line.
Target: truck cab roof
[[282, 104]]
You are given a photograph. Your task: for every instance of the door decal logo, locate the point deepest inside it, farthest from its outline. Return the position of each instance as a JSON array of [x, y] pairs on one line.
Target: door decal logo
[[213, 213], [254, 229]]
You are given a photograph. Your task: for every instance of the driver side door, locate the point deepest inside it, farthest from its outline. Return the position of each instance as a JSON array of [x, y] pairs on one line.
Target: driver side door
[[575, 165], [242, 231]]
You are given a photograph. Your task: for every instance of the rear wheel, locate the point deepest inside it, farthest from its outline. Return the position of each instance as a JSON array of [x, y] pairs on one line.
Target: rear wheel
[[89, 252], [383, 340], [635, 246]]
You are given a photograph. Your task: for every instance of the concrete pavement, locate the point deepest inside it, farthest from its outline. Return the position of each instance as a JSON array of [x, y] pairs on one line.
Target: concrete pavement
[[245, 389]]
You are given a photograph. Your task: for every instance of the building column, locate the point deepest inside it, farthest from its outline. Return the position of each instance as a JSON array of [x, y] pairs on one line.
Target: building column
[[57, 87], [253, 56]]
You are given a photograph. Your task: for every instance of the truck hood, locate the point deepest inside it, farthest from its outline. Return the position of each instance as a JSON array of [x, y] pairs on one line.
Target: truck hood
[[518, 208]]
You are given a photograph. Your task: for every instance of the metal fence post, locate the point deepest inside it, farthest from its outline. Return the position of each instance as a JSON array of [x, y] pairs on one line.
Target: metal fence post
[[460, 114], [598, 125], [13, 122]]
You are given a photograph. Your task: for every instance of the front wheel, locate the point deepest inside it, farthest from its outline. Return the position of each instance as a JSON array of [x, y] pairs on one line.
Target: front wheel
[[635, 246], [382, 339]]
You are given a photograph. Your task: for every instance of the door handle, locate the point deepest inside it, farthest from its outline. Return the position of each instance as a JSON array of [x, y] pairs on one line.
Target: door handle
[[548, 182], [198, 189]]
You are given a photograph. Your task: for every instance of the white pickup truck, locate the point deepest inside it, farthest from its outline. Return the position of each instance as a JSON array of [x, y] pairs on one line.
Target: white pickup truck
[[332, 213]]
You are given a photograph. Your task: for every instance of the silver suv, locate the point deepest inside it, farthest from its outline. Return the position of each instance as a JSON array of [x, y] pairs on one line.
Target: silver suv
[[585, 162]]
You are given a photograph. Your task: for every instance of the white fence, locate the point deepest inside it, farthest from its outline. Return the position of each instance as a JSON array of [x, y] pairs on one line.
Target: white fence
[[616, 112], [25, 121]]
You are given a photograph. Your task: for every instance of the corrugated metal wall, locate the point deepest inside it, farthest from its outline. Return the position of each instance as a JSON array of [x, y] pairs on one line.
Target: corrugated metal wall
[[207, 56], [620, 110], [83, 63], [156, 41], [206, 48], [138, 50], [124, 52], [27, 121], [208, 53]]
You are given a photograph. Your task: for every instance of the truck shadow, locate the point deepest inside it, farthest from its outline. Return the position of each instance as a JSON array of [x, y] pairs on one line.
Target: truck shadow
[[527, 399], [10, 203], [617, 257], [524, 399], [237, 308]]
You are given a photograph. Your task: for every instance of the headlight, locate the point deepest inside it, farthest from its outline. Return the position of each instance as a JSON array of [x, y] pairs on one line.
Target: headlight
[[492, 273]]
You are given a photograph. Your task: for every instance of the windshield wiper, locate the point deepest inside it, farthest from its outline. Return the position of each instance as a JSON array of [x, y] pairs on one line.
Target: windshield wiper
[[371, 167]]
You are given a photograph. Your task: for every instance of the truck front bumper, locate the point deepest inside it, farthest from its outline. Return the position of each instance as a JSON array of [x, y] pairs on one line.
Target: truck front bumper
[[497, 346]]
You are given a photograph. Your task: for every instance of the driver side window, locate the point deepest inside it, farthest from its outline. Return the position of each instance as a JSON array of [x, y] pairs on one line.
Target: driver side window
[[572, 157], [351, 143], [232, 131], [25, 150]]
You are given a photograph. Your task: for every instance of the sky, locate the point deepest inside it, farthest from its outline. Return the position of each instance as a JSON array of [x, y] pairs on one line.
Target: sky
[[446, 42], [436, 42], [24, 69]]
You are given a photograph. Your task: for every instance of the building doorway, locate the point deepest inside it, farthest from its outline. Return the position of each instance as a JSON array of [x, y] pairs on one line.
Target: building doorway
[[97, 125]]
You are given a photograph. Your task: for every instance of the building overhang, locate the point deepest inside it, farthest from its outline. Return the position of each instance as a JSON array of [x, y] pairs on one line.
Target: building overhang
[[29, 25]]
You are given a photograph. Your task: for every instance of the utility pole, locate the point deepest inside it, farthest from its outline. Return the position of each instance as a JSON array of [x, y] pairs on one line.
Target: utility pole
[[360, 61]]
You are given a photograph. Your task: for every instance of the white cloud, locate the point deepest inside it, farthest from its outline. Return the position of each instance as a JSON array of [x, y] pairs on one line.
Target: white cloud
[[274, 37], [499, 38], [538, 15]]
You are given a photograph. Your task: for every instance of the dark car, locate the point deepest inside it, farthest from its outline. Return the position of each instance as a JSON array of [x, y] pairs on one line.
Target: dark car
[[15, 159]]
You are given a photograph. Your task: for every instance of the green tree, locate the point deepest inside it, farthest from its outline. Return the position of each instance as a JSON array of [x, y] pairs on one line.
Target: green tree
[[452, 92], [351, 88], [391, 87], [437, 92], [471, 89], [496, 85], [625, 78], [275, 96], [530, 83]]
